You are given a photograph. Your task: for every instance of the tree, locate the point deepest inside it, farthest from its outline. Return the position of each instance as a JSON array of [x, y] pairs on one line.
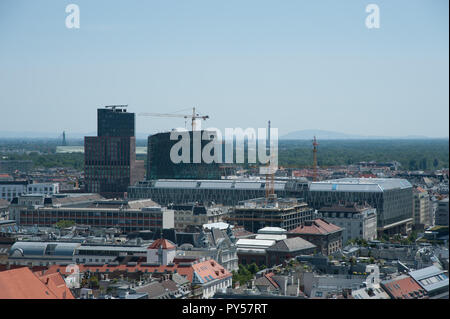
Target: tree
[[64, 224], [253, 268], [93, 282]]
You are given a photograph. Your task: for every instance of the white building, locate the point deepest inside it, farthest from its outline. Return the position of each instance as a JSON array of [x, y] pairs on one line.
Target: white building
[[421, 208], [161, 252], [43, 188], [105, 254], [11, 189], [357, 222], [271, 233], [212, 277], [372, 289]]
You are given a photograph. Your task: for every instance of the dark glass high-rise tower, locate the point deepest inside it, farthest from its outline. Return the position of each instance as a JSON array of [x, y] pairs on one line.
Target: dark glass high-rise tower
[[115, 121], [110, 164], [160, 166]]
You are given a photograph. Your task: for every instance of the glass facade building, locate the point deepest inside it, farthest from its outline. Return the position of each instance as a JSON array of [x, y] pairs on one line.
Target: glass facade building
[[225, 191], [160, 165], [110, 164], [115, 122], [392, 198]]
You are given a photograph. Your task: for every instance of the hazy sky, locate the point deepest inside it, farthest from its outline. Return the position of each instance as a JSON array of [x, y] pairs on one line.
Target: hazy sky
[[301, 64]]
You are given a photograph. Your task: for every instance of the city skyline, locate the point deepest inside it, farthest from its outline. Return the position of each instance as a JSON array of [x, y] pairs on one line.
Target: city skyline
[[300, 65]]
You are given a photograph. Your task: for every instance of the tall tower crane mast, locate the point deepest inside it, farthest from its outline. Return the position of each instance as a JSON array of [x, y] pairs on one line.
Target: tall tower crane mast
[[315, 144]]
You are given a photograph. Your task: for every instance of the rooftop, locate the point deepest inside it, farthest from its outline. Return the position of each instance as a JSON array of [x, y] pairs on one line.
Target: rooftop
[[272, 230], [360, 184], [202, 272], [22, 283], [24, 248], [220, 225], [291, 245], [163, 243], [257, 243], [270, 204], [318, 227], [430, 278], [351, 208], [214, 184], [403, 287]]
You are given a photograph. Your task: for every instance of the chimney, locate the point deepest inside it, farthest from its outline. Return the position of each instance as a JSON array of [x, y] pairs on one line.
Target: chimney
[[285, 286]]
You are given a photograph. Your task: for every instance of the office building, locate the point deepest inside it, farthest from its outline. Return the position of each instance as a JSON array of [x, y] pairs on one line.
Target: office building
[[43, 188], [11, 189], [391, 197], [161, 166], [188, 215], [258, 213], [91, 210], [357, 222], [110, 163], [441, 217], [115, 121], [421, 209], [225, 192]]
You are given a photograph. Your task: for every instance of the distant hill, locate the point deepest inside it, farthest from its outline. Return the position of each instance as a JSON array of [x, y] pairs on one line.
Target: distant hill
[[331, 135]]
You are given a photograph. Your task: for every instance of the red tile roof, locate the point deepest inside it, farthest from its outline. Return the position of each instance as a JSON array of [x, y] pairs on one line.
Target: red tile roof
[[269, 277], [55, 282], [22, 283], [210, 268], [403, 287], [206, 268], [182, 270], [161, 242], [420, 189], [316, 227]]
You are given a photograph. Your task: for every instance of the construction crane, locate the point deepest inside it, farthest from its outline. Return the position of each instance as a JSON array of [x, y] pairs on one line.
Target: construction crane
[[314, 143], [193, 117], [269, 171]]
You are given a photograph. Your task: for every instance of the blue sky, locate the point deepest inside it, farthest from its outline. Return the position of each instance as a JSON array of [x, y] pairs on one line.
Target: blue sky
[[301, 64]]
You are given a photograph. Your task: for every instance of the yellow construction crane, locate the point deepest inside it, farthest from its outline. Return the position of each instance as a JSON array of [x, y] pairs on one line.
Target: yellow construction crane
[[269, 171], [193, 117]]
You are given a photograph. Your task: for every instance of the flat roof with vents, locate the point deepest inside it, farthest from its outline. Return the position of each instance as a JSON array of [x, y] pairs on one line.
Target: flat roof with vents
[[360, 185]]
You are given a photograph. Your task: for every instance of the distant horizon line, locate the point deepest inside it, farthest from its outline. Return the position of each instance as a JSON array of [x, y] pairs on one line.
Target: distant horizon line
[[287, 136]]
